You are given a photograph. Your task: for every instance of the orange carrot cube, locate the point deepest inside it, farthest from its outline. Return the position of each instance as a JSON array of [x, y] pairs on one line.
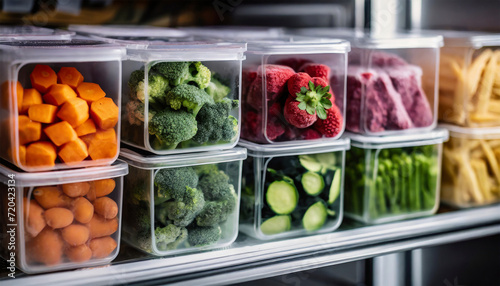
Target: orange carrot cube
[[60, 133], [75, 111]]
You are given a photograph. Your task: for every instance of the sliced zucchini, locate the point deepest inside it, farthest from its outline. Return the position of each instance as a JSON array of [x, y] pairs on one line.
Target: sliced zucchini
[[312, 183], [315, 216], [335, 187], [282, 197], [276, 224], [310, 163]]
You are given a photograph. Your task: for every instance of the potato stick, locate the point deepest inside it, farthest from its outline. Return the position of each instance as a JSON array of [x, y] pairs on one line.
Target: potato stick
[[448, 168], [451, 156], [494, 143], [470, 180], [459, 98], [486, 117], [471, 144], [482, 176], [494, 106], [496, 91], [475, 71], [492, 160], [477, 154], [486, 84]]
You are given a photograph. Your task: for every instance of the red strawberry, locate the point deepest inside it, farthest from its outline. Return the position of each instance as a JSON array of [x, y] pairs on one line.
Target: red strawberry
[[316, 70], [276, 77], [296, 81], [294, 63], [310, 134], [322, 82], [332, 125], [297, 117]]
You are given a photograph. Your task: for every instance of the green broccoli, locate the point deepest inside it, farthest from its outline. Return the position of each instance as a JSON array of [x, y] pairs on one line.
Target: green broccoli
[[214, 122], [215, 212], [172, 127], [157, 88], [188, 96], [182, 211], [215, 185], [205, 169], [136, 84], [135, 112], [217, 90], [200, 236], [177, 73], [169, 236], [171, 183]]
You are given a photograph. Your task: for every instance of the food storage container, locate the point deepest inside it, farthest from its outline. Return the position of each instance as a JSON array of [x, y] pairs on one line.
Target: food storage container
[[391, 81], [291, 190], [191, 101], [469, 79], [182, 203], [58, 220], [394, 177], [293, 88], [123, 33], [471, 167], [233, 32], [32, 33], [60, 103]]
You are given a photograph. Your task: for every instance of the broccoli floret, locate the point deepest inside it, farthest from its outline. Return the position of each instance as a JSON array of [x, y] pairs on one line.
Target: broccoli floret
[[217, 90], [135, 112], [172, 127], [215, 185], [171, 183], [182, 211], [136, 84], [157, 87], [180, 239], [204, 169], [169, 237], [188, 96], [177, 73], [200, 236], [215, 212], [214, 122]]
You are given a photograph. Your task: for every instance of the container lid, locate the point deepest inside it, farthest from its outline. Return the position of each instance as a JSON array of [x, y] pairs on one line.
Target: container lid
[[367, 40], [472, 132], [295, 147], [296, 45], [473, 39], [118, 168], [147, 161], [24, 33], [233, 32], [438, 135], [131, 32]]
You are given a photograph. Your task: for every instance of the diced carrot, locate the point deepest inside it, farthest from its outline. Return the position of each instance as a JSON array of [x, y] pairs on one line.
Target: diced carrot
[[11, 90], [60, 133], [35, 222], [100, 226], [90, 92], [73, 152], [58, 217], [41, 153], [58, 94], [29, 131], [104, 112], [104, 187], [75, 234], [88, 127], [75, 111], [50, 197], [47, 247], [106, 207], [79, 254], [102, 247], [70, 76], [74, 190], [44, 113], [103, 145], [87, 138], [31, 97], [83, 210], [42, 78]]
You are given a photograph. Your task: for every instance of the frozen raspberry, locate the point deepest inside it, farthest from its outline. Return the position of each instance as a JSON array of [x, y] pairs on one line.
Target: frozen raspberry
[[316, 70], [276, 77], [310, 134]]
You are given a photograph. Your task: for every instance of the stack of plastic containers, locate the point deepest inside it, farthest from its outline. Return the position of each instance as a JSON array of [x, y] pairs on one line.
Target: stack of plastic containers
[[181, 121], [59, 113], [393, 167], [469, 88]]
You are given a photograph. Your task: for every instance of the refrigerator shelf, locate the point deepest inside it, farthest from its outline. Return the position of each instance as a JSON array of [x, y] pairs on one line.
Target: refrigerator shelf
[[249, 259]]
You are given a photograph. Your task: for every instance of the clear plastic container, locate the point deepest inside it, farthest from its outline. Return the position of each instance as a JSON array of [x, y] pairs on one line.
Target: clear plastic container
[[394, 177], [118, 33], [49, 118], [32, 33], [284, 89], [233, 32], [471, 167], [469, 81], [60, 220], [291, 190], [391, 81], [182, 203]]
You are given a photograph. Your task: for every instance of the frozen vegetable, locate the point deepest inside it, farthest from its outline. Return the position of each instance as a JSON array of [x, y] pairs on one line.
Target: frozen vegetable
[[300, 103], [392, 95], [184, 206], [315, 216], [471, 171], [469, 94], [170, 236], [404, 181], [312, 183], [67, 110], [180, 92], [171, 183], [282, 196], [63, 226], [200, 236], [276, 224]]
